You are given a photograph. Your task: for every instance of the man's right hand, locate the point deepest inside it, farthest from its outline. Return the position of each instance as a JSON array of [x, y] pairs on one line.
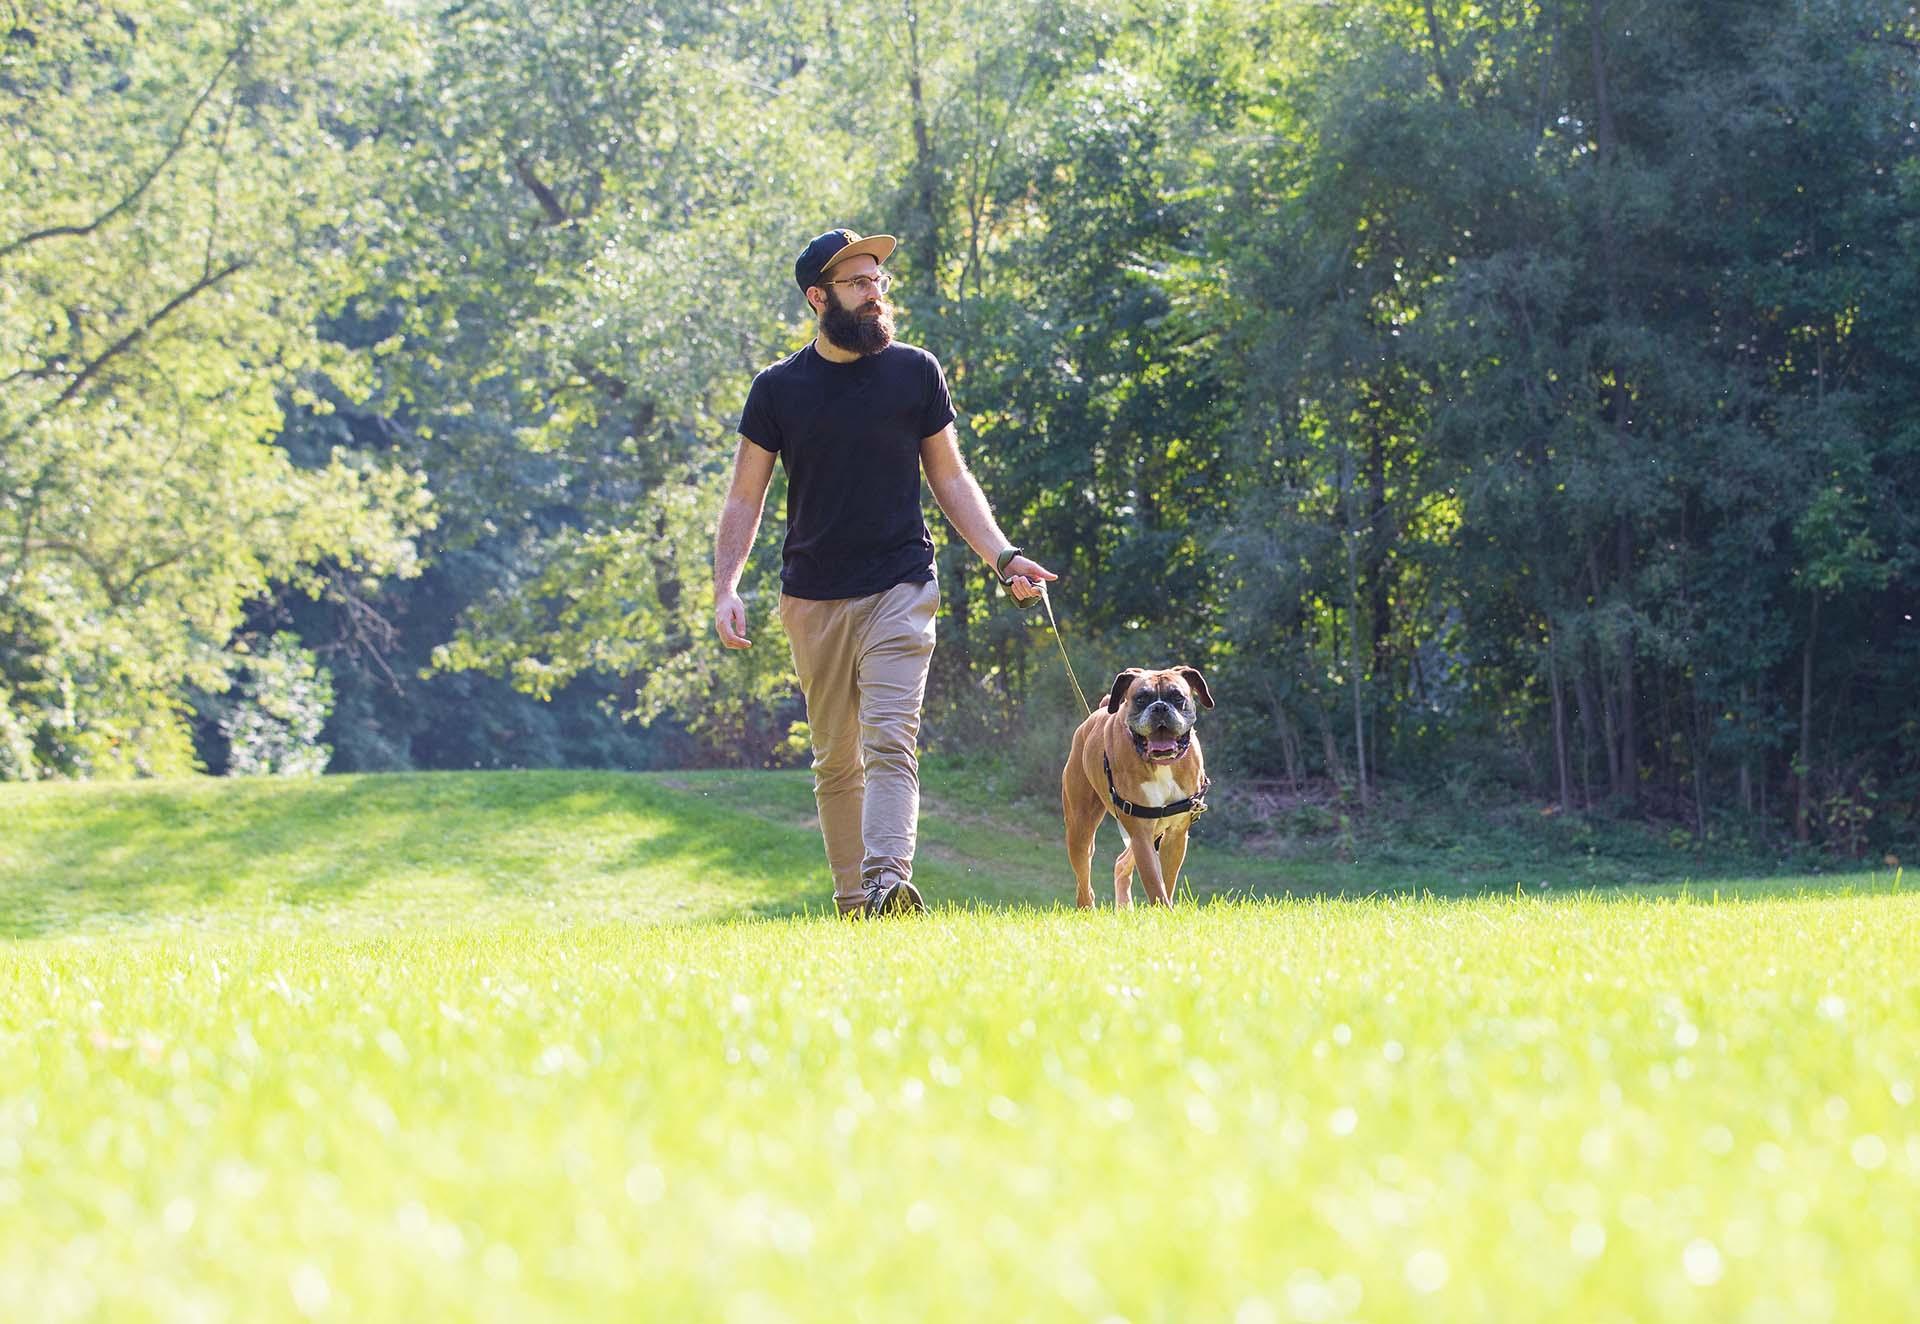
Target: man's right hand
[[730, 620]]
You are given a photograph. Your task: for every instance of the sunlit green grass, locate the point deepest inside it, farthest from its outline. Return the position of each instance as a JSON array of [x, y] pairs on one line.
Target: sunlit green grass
[[449, 1049]]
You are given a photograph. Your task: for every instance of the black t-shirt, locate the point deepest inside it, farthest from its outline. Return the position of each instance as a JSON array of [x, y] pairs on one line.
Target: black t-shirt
[[849, 435]]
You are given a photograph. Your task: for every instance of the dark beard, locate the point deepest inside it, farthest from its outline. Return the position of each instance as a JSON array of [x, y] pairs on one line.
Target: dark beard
[[848, 330]]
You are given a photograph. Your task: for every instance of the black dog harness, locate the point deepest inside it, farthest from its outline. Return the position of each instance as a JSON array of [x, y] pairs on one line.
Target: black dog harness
[[1195, 804]]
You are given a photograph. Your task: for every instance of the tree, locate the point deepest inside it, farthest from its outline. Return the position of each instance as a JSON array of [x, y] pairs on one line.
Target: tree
[[179, 205]]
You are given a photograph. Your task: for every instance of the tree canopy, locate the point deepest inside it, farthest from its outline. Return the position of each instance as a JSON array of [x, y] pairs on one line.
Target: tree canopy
[[1526, 389]]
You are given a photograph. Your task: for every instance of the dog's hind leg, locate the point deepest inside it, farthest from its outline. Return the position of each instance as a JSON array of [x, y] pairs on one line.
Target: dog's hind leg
[[1123, 879], [1080, 855]]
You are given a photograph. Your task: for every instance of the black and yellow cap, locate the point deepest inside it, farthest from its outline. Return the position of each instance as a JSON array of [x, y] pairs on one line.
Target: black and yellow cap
[[835, 247]]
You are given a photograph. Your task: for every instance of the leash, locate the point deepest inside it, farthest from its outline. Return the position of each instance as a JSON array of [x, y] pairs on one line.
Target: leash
[[1047, 602]]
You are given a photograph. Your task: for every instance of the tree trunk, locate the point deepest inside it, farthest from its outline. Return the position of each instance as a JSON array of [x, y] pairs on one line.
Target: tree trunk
[[1746, 763], [1353, 657], [1439, 51], [1583, 700], [1625, 766], [1289, 737], [1609, 695], [1610, 724], [1803, 767], [1629, 764], [1702, 730], [1562, 770], [1662, 738], [1336, 766], [1380, 537], [1290, 749], [925, 171]]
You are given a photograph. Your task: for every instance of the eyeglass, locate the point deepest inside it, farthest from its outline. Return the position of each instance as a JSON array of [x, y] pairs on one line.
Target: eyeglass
[[879, 283]]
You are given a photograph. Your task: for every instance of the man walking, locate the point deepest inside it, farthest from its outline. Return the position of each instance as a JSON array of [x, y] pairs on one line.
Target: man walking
[[855, 416]]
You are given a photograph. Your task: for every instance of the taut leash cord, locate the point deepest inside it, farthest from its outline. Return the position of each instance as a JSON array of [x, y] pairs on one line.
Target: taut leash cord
[[1047, 602]]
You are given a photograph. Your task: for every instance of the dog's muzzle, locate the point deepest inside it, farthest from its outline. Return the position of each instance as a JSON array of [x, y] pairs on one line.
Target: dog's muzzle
[[1162, 745]]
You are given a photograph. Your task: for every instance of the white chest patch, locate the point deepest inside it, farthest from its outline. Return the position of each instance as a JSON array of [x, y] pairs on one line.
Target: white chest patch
[[1159, 789]]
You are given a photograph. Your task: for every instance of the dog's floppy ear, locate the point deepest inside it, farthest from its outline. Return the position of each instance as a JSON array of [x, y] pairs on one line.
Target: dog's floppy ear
[[1121, 684], [1198, 683]]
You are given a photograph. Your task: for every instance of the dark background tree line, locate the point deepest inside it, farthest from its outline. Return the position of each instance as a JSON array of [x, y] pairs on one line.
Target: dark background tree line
[[1522, 388]]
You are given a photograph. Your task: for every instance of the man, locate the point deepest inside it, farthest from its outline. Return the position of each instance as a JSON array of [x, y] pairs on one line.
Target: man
[[855, 416]]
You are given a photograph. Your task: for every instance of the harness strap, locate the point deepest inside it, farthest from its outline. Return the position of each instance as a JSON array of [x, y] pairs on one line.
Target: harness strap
[[1195, 804]]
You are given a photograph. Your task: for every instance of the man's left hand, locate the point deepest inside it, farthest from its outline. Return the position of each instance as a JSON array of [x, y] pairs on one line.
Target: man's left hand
[[1024, 576]]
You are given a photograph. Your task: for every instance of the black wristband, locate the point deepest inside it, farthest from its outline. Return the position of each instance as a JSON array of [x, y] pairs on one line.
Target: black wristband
[[1000, 563]]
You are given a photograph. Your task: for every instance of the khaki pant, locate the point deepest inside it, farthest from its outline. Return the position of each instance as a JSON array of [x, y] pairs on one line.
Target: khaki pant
[[863, 669]]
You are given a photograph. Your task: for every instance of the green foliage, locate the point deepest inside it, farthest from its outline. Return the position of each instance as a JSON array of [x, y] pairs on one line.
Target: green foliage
[[181, 200], [1568, 357], [16, 742], [1521, 388], [280, 701]]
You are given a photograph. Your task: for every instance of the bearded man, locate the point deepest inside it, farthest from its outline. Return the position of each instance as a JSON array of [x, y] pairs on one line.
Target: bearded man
[[855, 417]]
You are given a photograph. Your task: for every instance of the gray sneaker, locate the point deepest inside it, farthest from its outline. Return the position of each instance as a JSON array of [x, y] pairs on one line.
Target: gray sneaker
[[887, 895]]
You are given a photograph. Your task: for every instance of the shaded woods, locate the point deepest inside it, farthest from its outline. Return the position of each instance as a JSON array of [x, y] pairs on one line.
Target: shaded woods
[[1519, 393]]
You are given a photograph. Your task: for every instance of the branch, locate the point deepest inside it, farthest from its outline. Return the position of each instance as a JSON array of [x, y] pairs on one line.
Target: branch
[[205, 283], [116, 592], [79, 553], [615, 387], [120, 346], [1902, 42], [150, 568], [32, 374], [219, 164], [556, 214], [364, 632], [1439, 50], [179, 140]]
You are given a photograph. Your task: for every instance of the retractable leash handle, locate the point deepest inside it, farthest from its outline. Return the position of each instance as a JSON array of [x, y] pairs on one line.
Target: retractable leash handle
[[1040, 599], [1006, 581]]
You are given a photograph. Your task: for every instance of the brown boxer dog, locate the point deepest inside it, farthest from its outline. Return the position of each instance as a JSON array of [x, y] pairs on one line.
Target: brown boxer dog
[[1136, 757]]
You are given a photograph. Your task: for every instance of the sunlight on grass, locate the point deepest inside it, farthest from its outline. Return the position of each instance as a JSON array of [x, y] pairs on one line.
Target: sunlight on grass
[[391, 848], [237, 1091]]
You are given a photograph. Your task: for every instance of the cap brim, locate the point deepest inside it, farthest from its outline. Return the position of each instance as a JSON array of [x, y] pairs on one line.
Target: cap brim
[[879, 247]]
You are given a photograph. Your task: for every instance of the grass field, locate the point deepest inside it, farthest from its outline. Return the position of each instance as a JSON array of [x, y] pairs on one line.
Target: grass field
[[567, 1046]]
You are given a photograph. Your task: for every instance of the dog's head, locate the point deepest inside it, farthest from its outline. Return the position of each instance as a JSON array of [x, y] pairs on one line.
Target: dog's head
[[1160, 708]]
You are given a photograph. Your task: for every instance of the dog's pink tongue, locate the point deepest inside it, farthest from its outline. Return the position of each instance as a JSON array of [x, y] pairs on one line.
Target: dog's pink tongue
[[1162, 746]]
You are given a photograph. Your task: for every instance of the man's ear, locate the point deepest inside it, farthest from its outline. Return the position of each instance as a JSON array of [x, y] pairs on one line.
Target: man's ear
[[817, 304], [1121, 684], [1197, 683]]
